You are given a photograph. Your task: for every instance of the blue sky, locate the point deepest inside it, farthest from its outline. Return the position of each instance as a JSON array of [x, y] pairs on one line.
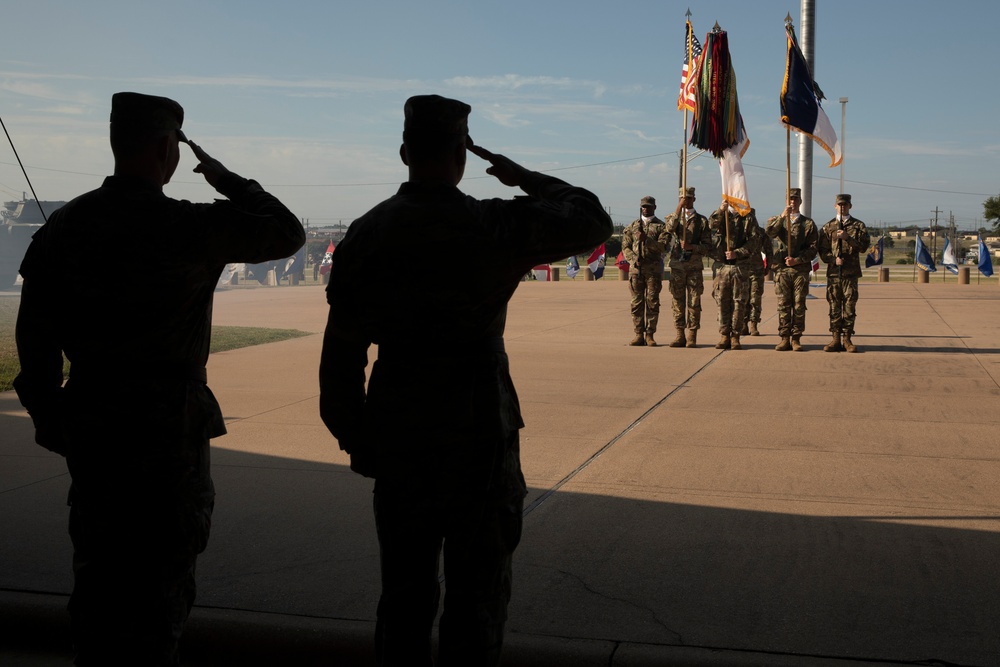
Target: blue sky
[[306, 97]]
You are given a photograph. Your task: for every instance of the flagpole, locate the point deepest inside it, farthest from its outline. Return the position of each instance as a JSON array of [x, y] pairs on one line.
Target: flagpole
[[689, 36], [788, 187]]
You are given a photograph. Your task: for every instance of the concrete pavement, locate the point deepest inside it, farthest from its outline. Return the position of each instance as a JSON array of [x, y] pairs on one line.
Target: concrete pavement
[[686, 507]]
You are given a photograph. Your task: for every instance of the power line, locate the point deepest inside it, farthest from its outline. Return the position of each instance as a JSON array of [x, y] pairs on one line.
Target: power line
[[554, 169]]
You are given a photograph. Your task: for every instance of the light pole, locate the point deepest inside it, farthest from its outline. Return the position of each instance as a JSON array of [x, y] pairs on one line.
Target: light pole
[[843, 139]]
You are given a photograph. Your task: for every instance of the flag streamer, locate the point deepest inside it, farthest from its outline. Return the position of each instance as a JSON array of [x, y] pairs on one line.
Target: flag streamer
[[717, 121]]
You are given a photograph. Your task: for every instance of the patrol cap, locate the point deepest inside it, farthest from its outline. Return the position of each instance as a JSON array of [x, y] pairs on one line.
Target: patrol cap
[[681, 192], [433, 116], [135, 111], [648, 201], [843, 199], [795, 192]]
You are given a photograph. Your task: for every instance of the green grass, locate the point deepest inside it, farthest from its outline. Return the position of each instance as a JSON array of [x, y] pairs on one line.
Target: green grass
[[223, 338], [233, 338]]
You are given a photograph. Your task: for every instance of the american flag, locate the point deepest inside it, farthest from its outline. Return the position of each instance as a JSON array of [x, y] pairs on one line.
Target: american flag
[[685, 98]]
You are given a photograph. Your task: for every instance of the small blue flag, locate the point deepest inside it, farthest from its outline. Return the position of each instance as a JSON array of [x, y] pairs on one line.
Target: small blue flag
[[948, 257], [922, 256], [572, 267], [874, 256], [985, 261]]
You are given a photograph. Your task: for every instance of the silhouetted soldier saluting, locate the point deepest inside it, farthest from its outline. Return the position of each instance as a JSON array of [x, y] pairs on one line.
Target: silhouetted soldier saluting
[[135, 418], [438, 425]]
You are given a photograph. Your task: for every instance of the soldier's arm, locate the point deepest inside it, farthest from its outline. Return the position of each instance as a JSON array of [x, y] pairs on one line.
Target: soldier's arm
[[775, 226], [859, 238], [39, 382], [824, 245], [810, 247], [627, 245]]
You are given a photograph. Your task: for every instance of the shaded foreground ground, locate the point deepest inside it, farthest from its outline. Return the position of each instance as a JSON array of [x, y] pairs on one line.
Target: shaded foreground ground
[[686, 507]]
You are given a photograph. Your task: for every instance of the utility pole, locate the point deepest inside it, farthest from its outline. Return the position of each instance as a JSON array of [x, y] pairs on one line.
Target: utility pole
[[934, 231]]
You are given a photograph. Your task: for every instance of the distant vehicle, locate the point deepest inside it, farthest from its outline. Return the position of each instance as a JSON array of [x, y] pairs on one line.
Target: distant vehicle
[[20, 219]]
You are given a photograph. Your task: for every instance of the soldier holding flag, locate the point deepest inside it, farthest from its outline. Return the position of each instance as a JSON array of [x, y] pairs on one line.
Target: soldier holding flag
[[791, 262]]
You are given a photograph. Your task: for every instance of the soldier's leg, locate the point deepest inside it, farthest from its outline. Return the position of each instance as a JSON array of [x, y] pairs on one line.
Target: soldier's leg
[[799, 292], [835, 297], [410, 538], [782, 290], [637, 288], [654, 285], [694, 289], [741, 298], [757, 299], [723, 293], [850, 312], [478, 555], [678, 300], [850, 300], [137, 527]]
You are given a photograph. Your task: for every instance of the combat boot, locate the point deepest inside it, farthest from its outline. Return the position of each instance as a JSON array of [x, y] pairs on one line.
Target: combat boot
[[649, 339], [753, 329], [679, 341], [692, 338], [639, 339], [745, 331], [796, 344], [833, 345], [734, 343], [849, 346], [723, 343], [784, 345]]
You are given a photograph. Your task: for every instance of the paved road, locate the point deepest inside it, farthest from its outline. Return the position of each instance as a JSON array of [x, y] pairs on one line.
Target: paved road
[[686, 507]]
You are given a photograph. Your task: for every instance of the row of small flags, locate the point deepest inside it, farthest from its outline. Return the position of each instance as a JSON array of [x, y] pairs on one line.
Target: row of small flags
[[922, 257], [595, 263]]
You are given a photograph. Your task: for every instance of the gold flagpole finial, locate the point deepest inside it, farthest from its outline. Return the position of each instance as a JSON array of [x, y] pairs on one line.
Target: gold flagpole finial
[[688, 15], [716, 27], [788, 19]]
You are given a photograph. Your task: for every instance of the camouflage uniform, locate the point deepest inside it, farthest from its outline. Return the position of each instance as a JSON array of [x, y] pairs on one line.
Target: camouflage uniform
[[730, 285], [135, 417], [687, 281], [756, 276], [791, 283], [842, 281], [645, 273], [437, 426]]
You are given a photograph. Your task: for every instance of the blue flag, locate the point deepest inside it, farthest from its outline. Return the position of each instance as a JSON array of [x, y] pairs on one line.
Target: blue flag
[[572, 267], [801, 109], [948, 257], [875, 253], [985, 261], [922, 256]]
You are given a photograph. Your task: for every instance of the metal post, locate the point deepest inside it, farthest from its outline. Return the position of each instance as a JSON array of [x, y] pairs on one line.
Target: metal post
[[805, 143]]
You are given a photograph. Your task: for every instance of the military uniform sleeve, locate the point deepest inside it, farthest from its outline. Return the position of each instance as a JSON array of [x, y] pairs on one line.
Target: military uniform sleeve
[[627, 241], [39, 350], [858, 239], [810, 242], [775, 226], [252, 226], [555, 220], [824, 245], [704, 245]]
